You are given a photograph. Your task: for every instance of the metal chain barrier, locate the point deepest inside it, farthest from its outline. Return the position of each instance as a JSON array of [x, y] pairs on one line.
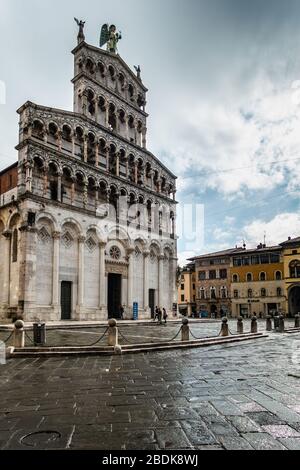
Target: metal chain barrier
[[205, 337], [7, 339], [98, 340], [157, 341], [28, 337]]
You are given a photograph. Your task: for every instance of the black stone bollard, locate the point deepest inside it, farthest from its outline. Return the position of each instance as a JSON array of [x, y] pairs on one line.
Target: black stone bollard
[[253, 325], [297, 321], [269, 323], [281, 324], [185, 330], [276, 323], [224, 328], [240, 326]]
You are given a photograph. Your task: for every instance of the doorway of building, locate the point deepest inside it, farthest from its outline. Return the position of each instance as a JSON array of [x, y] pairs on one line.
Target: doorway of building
[[152, 302], [114, 295], [294, 301], [66, 300]]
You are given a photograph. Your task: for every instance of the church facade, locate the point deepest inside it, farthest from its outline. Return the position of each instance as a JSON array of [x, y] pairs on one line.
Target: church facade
[[88, 214]]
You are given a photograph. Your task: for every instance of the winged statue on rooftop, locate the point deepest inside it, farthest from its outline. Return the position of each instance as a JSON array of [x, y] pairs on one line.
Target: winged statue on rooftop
[[80, 24], [110, 37]]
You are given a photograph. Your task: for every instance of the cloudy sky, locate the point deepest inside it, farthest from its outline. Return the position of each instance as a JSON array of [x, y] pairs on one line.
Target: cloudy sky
[[224, 99]]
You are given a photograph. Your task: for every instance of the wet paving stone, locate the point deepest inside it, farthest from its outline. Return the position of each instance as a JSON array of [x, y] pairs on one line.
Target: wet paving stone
[[261, 441], [281, 431], [242, 396]]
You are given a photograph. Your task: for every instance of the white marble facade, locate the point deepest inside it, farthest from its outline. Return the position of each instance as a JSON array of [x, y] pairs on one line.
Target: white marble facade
[[65, 232]]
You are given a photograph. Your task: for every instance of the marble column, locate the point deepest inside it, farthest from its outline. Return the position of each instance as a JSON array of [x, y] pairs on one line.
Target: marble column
[[102, 278], [28, 166], [55, 269], [130, 253], [73, 145], [73, 191], [135, 173], [107, 159], [144, 138], [85, 194], [146, 280], [85, 149], [127, 128], [106, 114], [27, 269], [6, 268], [80, 300], [45, 183], [97, 154], [118, 164], [59, 188], [161, 286], [173, 280]]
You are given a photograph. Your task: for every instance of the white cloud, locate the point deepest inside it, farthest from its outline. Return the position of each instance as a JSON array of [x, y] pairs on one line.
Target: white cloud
[[277, 230], [254, 135]]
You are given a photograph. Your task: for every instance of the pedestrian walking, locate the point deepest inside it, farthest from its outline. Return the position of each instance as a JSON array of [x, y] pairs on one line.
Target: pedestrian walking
[[159, 316], [156, 313], [121, 311], [165, 315]]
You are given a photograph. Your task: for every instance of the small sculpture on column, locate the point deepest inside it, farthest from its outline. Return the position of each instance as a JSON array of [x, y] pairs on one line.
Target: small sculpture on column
[[81, 36]]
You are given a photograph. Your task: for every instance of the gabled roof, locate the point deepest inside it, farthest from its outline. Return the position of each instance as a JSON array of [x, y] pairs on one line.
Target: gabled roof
[[260, 249], [216, 254], [113, 57], [291, 242]]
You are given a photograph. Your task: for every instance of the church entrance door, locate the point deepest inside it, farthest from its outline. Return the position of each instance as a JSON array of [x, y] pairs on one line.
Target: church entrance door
[[114, 295], [66, 300]]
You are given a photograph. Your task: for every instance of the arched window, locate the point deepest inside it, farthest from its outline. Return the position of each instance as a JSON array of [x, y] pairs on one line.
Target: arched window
[[262, 277], [15, 246], [202, 293], [278, 275], [279, 292], [250, 293], [235, 278], [236, 294], [263, 293], [213, 293], [223, 293], [295, 269], [249, 277]]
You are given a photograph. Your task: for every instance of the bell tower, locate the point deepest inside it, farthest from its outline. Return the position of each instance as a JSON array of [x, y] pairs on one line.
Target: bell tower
[[107, 91]]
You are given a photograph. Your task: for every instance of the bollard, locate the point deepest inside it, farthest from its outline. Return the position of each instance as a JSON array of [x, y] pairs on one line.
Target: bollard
[[112, 333], [269, 323], [240, 326], [253, 325], [118, 350], [297, 321], [224, 328], [276, 323], [185, 330], [19, 334], [281, 324]]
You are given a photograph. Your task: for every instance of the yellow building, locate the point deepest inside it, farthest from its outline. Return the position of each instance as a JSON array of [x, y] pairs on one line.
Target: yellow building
[[291, 260], [187, 290], [257, 282]]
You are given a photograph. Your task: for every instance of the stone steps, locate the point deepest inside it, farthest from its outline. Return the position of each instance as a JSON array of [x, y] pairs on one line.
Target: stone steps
[[292, 330], [131, 349]]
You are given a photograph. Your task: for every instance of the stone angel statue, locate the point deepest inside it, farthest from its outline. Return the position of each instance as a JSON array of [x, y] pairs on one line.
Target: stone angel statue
[[81, 24], [110, 37]]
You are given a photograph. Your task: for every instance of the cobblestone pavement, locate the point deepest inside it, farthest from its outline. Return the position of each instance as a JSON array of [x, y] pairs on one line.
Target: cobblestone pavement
[[244, 396]]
